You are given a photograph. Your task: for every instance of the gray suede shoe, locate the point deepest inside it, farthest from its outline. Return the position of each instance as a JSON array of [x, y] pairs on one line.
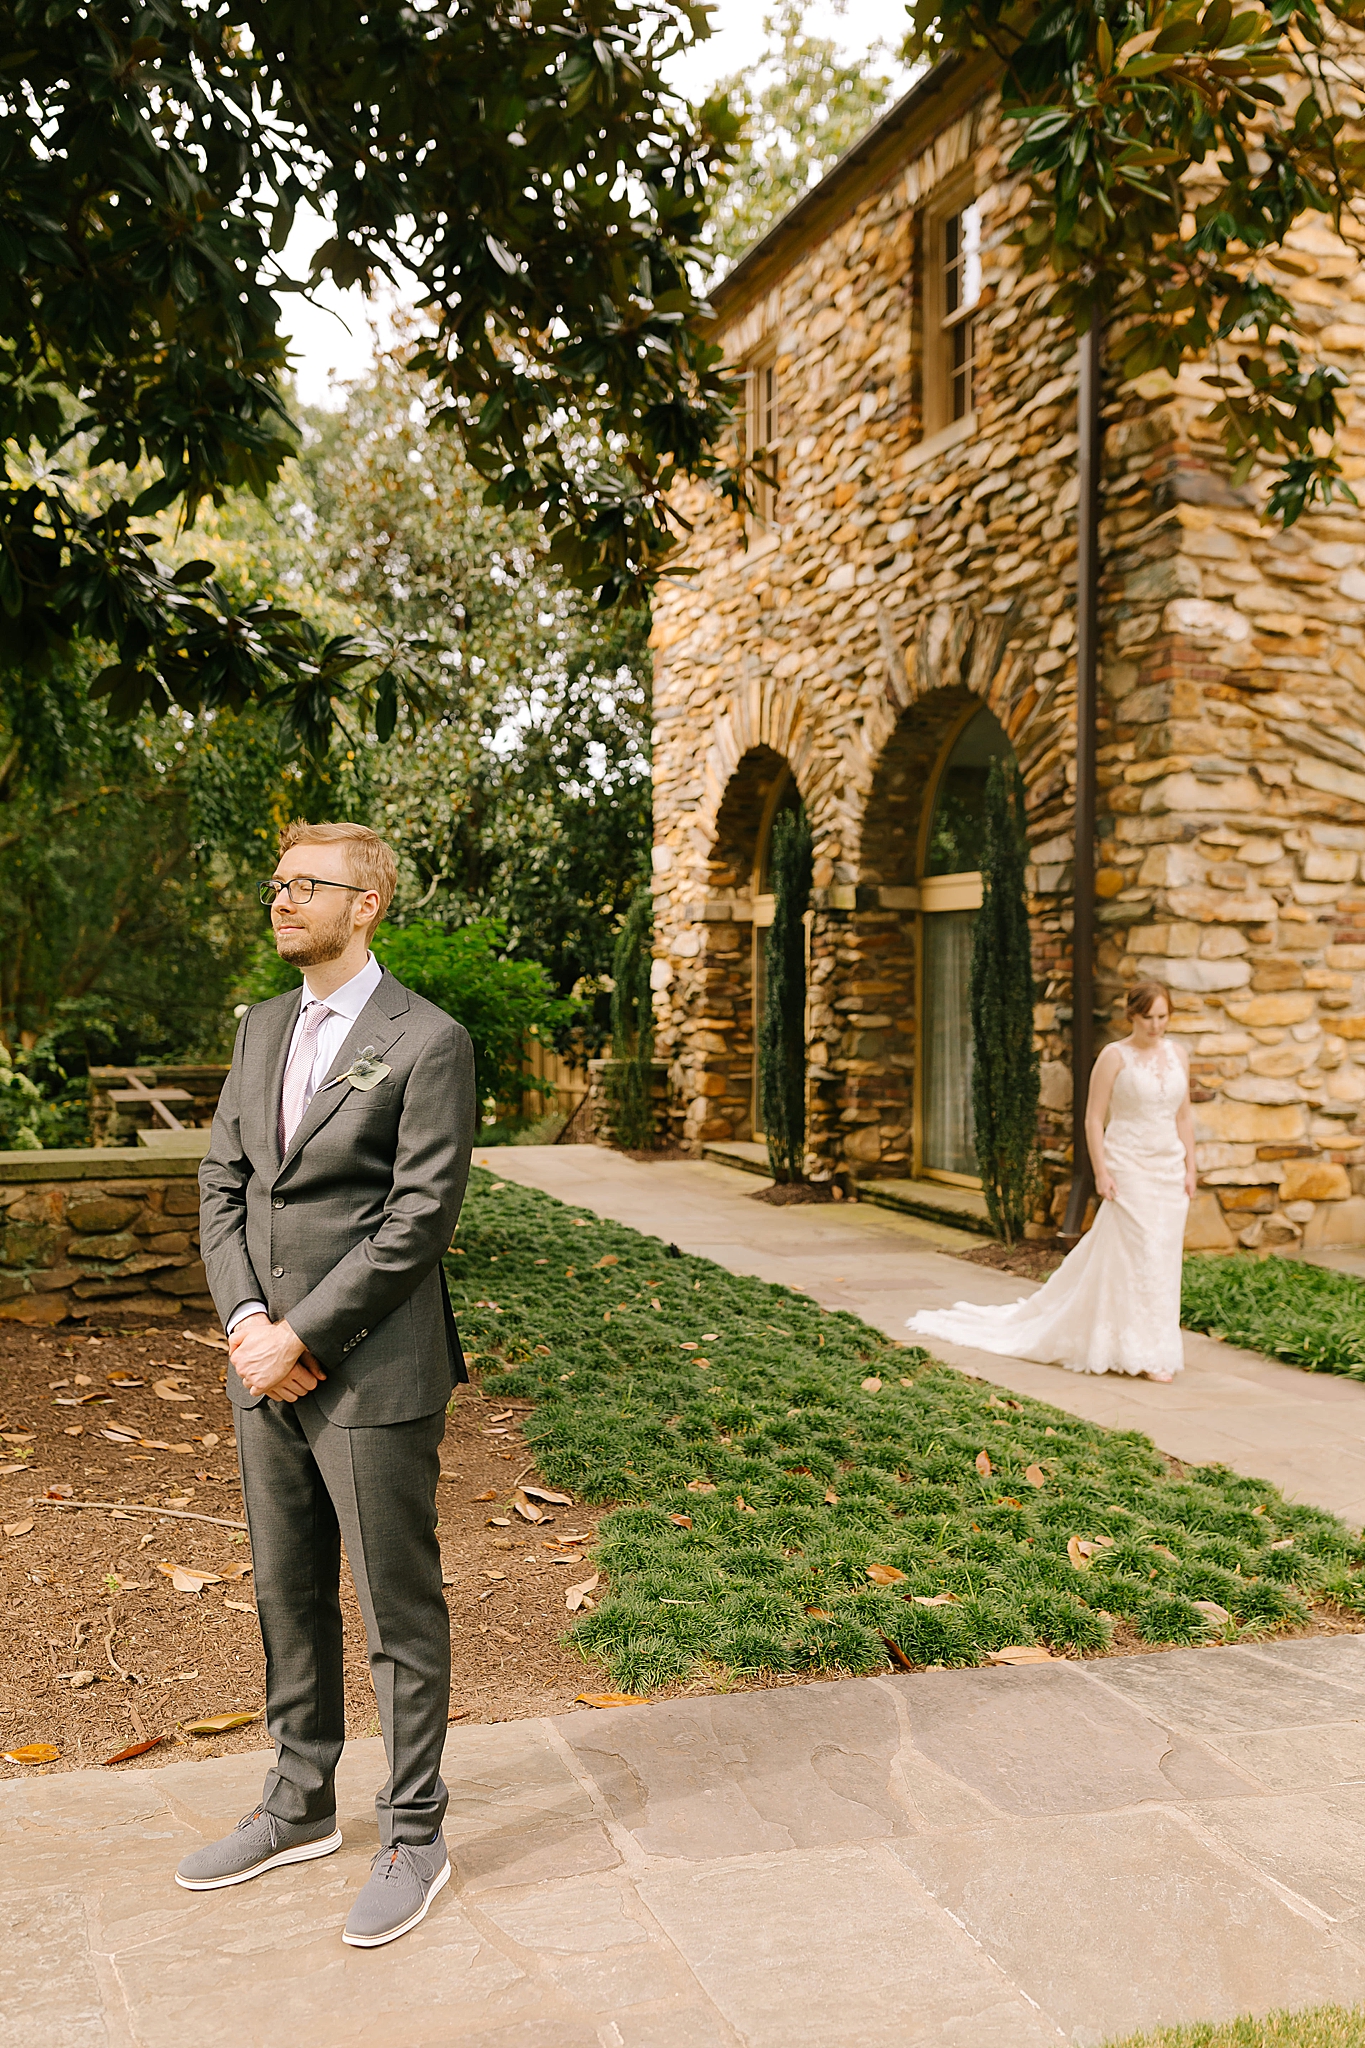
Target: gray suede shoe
[[260, 1842], [403, 1883]]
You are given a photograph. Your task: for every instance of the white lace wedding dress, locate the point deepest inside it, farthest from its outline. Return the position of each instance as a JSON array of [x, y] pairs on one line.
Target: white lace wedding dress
[[1113, 1305]]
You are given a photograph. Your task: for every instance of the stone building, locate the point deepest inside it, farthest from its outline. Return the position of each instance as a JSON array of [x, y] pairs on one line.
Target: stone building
[[902, 606]]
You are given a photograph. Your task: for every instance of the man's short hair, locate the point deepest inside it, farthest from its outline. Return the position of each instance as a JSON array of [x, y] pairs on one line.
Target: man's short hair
[[370, 860]]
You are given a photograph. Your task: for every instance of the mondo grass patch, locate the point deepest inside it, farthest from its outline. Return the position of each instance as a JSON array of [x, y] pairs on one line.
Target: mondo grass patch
[[799, 1494], [1306, 1315], [1326, 2026]]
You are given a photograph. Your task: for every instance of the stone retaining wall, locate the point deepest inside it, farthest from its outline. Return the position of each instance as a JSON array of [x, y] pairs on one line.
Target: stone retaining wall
[[90, 1234]]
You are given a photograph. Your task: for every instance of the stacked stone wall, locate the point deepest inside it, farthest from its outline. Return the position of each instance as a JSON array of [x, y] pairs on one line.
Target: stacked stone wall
[[904, 578], [82, 1236]]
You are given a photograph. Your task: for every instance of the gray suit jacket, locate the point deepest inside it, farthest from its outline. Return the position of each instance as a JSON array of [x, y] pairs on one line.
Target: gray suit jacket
[[344, 1235]]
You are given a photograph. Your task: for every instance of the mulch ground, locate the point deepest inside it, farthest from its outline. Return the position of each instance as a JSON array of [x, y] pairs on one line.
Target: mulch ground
[[83, 1593], [1029, 1260]]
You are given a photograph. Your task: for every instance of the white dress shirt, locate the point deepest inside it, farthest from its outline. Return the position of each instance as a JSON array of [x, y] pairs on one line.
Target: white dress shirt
[[345, 1004]]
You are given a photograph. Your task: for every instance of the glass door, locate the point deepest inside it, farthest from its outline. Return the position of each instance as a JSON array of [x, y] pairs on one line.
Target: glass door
[[947, 1044]]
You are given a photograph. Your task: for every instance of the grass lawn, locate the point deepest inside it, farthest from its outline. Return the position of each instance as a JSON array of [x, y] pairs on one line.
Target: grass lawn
[[797, 1493], [1306, 1315], [1326, 2026]]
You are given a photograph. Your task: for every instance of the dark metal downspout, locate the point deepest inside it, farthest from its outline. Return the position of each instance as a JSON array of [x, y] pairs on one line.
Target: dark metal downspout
[[1090, 432]]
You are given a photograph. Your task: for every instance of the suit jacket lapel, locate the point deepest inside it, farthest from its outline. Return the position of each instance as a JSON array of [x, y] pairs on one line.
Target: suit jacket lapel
[[374, 1026], [275, 1065]]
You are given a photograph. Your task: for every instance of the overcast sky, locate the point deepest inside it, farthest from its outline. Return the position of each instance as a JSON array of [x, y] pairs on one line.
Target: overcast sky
[[332, 339]]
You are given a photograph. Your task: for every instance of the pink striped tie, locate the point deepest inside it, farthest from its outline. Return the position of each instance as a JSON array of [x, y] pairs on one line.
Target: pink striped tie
[[298, 1082]]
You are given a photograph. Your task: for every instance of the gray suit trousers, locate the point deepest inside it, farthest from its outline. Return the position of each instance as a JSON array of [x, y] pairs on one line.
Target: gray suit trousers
[[309, 1486]]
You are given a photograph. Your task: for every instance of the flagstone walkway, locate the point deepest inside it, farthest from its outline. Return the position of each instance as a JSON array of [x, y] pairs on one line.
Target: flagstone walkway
[[1303, 1431], [956, 1859]]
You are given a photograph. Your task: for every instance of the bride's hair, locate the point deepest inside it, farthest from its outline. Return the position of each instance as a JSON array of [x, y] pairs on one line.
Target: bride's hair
[[1141, 998]]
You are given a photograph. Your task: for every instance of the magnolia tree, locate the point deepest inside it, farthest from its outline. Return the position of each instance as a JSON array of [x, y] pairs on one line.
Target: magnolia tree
[[1169, 148]]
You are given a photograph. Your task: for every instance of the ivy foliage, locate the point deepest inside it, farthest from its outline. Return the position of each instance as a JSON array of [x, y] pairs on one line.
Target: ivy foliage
[[525, 163], [803, 1447], [1004, 1058], [632, 1026], [1306, 1315], [782, 1026], [1171, 147]]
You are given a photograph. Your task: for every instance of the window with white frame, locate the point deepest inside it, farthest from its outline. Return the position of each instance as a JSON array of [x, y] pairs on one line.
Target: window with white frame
[[954, 292], [760, 437]]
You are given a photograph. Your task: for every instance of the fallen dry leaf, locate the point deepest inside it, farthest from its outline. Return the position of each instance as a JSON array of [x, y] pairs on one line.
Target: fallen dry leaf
[[1213, 1612], [59, 1493], [489, 1493], [1036, 1476], [1165, 1551], [554, 1500], [610, 1699], [574, 1596], [20, 1468], [18, 1528], [169, 1390], [818, 1613], [896, 1654], [831, 1498], [885, 1575], [1007, 1500], [701, 1486], [220, 1724], [1285, 1543], [498, 1522], [78, 1680], [934, 1599], [240, 1606], [235, 1571], [210, 1442], [528, 1510], [1021, 1653], [456, 1714], [17, 1436], [124, 1379], [129, 1585], [210, 1343], [607, 1259], [1080, 1553], [188, 1579], [872, 1385], [983, 1464], [137, 1749], [31, 1753], [681, 1521]]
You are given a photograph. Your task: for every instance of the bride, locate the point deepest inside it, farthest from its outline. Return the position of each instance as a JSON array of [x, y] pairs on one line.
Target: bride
[[1113, 1305]]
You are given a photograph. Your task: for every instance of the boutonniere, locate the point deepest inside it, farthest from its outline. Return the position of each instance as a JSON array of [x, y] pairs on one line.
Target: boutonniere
[[364, 1072]]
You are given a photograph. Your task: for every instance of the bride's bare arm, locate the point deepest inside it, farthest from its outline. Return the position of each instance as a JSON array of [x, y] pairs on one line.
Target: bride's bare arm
[[1096, 1110], [1184, 1123]]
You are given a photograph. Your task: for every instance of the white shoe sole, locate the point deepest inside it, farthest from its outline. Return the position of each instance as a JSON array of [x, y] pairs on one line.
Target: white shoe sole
[[304, 1853], [378, 1940]]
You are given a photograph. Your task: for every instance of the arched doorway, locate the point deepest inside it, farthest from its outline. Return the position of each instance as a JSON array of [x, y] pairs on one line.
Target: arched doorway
[[783, 796], [949, 898]]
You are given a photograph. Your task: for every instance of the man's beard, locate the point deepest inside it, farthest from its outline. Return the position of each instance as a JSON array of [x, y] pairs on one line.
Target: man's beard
[[315, 948]]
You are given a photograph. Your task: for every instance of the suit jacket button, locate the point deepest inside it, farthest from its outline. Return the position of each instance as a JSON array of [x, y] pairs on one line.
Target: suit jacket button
[[278, 1272], [278, 1202]]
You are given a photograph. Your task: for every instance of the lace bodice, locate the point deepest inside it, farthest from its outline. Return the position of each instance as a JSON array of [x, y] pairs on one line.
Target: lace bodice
[[1147, 1094]]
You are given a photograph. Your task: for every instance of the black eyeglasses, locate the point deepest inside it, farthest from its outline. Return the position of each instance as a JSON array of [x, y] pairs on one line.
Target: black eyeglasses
[[299, 888]]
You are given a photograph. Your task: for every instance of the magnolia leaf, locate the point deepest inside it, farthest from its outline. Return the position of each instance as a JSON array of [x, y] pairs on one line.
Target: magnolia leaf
[[574, 1596], [554, 1500], [528, 1510], [610, 1699], [871, 1385], [489, 1493], [831, 1498], [896, 1654], [18, 1528], [1021, 1653], [983, 1464], [1211, 1611], [885, 1575], [498, 1522], [138, 1749], [220, 1724], [240, 1606], [701, 1486], [681, 1521], [818, 1613], [1079, 1553], [79, 1680], [934, 1599], [1035, 1475], [169, 1390], [32, 1753], [608, 1259]]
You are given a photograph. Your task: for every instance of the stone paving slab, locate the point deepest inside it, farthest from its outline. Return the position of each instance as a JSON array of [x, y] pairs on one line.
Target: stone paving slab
[[1305, 1432], [1007, 1858]]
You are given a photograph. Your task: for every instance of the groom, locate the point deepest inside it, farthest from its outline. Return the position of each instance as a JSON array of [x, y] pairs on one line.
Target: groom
[[330, 1191]]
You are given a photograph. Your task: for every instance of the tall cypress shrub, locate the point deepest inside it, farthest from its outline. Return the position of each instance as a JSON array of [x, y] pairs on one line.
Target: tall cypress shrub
[[631, 1081], [1005, 1071], [782, 1027]]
